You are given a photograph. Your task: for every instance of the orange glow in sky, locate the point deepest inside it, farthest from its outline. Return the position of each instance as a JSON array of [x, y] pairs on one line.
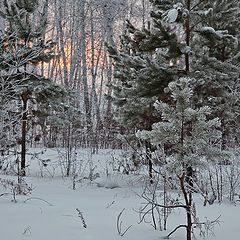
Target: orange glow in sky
[[68, 53], [99, 53], [98, 50]]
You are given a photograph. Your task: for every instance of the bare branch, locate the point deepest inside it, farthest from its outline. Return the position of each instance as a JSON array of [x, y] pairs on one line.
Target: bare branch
[[36, 198]]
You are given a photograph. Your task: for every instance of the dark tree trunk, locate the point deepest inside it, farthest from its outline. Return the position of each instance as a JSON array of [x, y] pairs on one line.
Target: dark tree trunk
[[187, 177], [189, 224], [149, 160], [24, 129], [188, 32]]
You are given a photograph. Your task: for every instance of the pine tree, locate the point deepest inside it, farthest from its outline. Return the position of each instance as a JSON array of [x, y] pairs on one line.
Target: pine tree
[[174, 45], [218, 53], [23, 51], [208, 33], [142, 70], [191, 137], [184, 40], [9, 118]]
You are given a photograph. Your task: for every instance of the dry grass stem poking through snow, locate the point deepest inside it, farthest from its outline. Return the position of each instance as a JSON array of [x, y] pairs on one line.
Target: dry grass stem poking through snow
[[82, 218]]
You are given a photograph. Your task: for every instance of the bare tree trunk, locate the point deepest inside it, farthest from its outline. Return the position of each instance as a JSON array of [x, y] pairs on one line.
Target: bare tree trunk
[[45, 13], [95, 61], [84, 66], [62, 43], [108, 15], [69, 150]]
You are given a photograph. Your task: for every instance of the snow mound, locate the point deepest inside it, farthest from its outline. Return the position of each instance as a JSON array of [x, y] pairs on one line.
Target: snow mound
[[110, 182]]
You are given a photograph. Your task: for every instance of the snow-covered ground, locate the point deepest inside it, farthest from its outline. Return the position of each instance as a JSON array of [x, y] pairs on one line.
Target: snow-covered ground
[[49, 212]]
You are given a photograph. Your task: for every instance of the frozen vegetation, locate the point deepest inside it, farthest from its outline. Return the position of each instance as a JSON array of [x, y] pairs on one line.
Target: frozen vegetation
[[49, 212]]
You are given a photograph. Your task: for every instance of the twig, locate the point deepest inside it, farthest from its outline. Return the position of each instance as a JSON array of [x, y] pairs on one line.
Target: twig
[[163, 206], [13, 194], [119, 225], [174, 230], [36, 198], [210, 222], [80, 215], [27, 230], [110, 204], [3, 194]]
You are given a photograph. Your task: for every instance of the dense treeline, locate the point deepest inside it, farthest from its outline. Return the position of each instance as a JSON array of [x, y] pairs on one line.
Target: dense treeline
[[76, 33]]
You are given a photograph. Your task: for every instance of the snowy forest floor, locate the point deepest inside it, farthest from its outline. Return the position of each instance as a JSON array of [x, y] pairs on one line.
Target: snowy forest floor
[[49, 212]]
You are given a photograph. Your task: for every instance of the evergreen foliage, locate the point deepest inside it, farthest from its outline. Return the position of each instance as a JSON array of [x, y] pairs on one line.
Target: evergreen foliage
[[191, 137], [217, 53], [142, 70], [188, 132], [191, 38], [24, 48]]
